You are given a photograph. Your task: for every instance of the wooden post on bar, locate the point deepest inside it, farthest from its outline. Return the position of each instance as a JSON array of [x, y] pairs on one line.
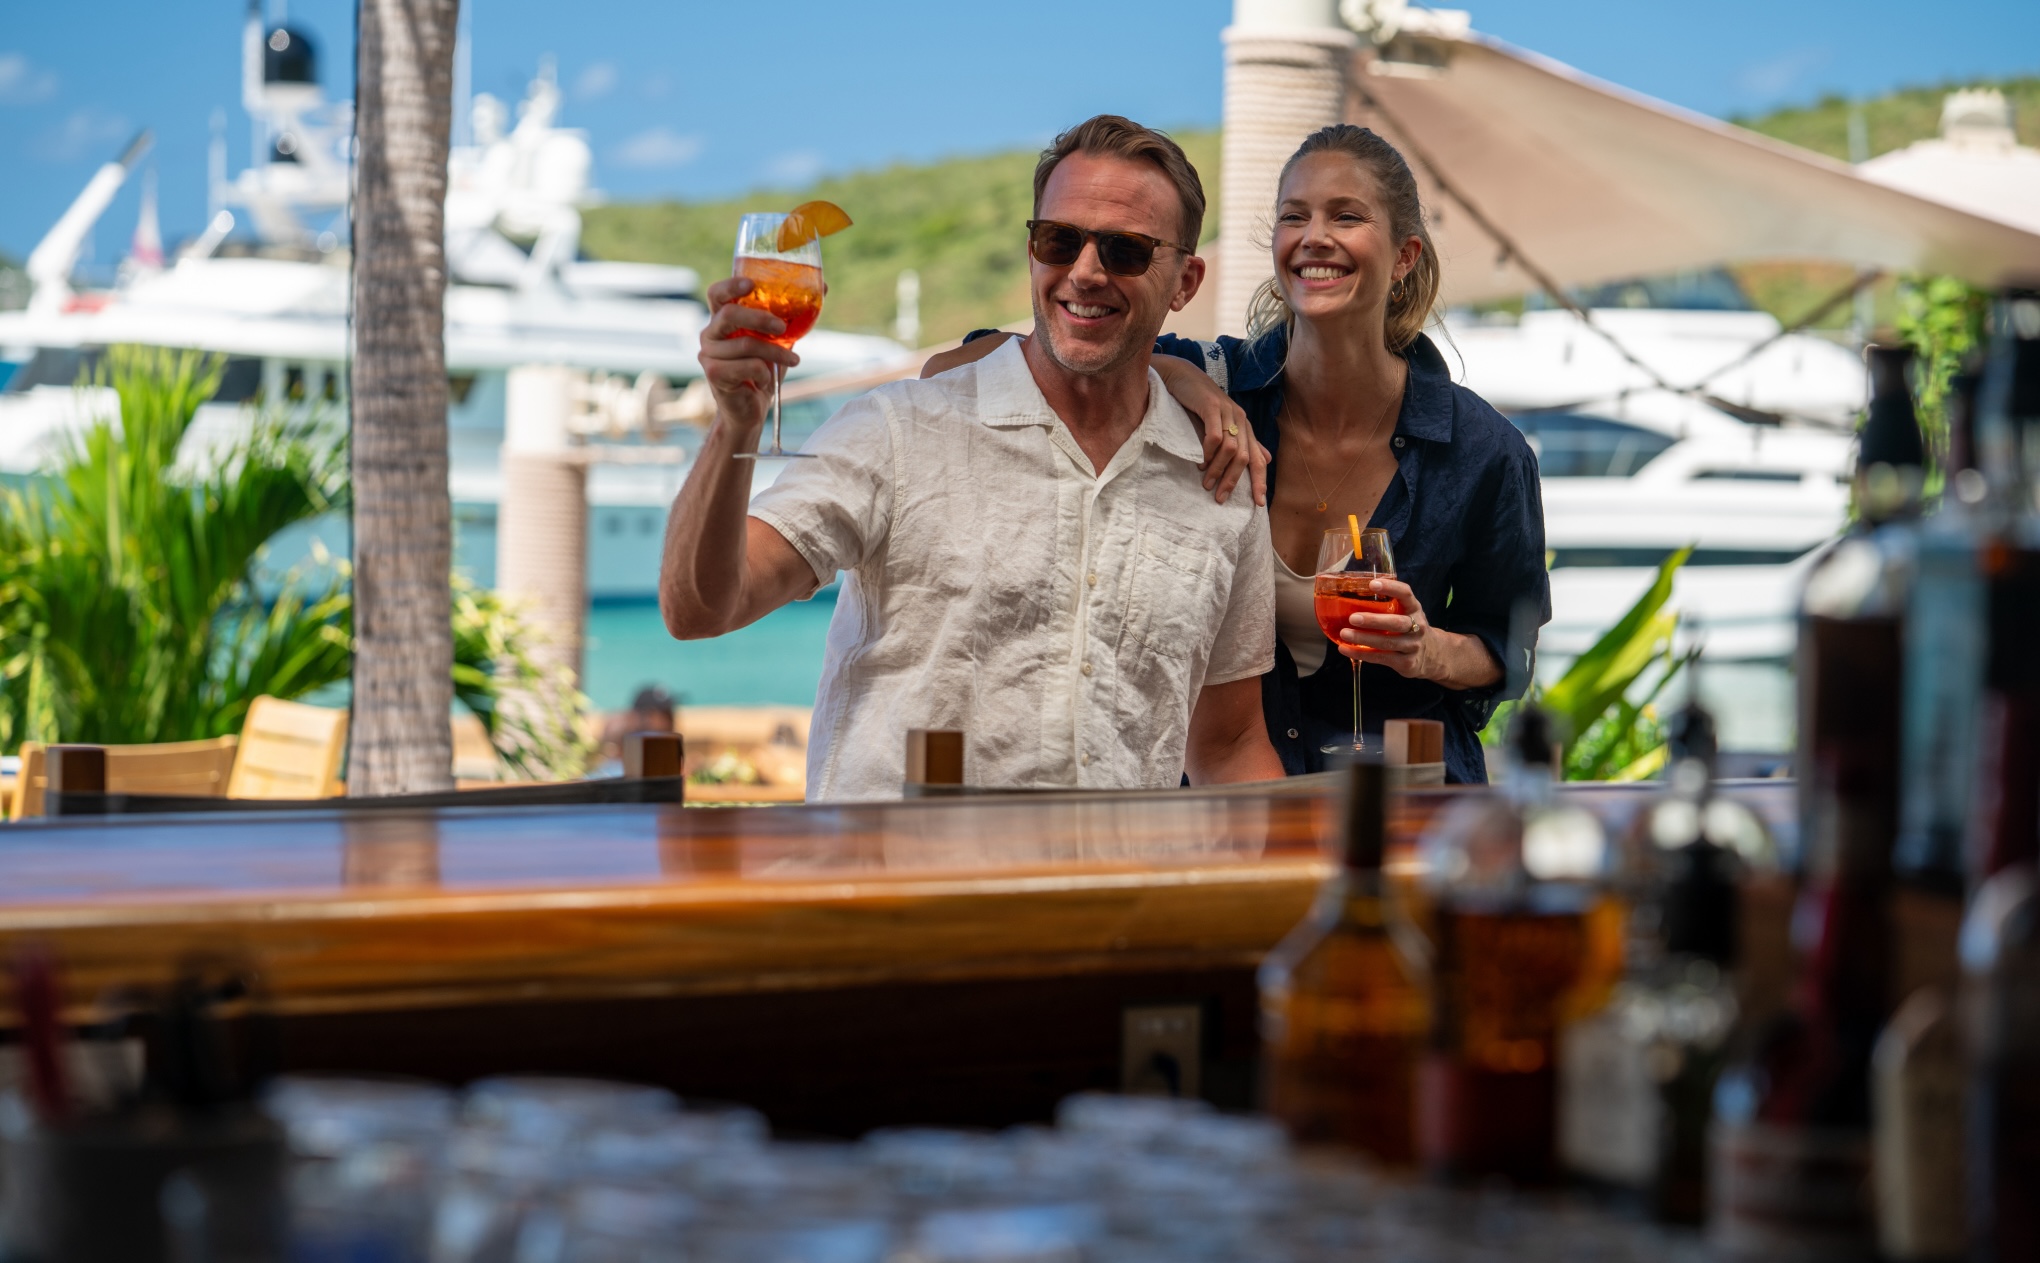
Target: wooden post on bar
[[652, 754], [75, 769], [1415, 750], [934, 760]]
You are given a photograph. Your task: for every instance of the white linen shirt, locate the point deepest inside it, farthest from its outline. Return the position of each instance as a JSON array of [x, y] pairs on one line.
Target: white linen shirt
[[1065, 622]]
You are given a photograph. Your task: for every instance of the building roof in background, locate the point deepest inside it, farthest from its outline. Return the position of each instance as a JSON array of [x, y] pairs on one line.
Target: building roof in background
[[1976, 164]]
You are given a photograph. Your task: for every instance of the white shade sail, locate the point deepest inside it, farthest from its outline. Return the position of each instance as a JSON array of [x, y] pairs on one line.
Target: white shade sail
[[1596, 183]]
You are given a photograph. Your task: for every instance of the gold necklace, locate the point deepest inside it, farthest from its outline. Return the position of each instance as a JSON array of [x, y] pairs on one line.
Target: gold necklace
[[1324, 501]]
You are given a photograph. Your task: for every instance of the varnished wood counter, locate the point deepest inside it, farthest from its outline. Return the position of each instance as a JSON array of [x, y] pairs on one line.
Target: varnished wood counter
[[337, 911], [728, 952]]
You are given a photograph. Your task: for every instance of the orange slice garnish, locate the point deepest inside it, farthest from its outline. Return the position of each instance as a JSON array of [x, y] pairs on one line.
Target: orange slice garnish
[[810, 221]]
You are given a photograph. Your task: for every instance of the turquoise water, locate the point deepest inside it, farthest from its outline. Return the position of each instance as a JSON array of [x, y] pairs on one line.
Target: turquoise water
[[775, 661]]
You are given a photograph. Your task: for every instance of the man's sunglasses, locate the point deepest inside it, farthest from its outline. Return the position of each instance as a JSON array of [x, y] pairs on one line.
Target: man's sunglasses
[[1121, 253]]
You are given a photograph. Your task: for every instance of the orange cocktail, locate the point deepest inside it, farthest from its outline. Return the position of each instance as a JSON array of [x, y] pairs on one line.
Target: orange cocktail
[[1337, 597], [790, 291]]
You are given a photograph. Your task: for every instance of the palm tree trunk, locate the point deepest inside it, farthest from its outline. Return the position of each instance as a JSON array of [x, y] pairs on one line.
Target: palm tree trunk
[[402, 739]]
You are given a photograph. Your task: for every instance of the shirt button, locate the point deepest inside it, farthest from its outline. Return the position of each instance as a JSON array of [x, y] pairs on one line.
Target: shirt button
[[1398, 440], [1292, 734], [1087, 668], [1092, 578], [1085, 758]]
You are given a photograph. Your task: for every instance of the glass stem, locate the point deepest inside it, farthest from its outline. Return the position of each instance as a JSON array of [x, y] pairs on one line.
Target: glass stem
[[776, 449], [1356, 701]]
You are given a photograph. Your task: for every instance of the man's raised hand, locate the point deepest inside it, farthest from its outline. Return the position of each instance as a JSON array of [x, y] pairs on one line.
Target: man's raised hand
[[738, 368]]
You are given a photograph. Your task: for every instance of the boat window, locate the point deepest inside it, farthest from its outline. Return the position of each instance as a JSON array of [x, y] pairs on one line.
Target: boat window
[[1604, 558], [1706, 289], [1748, 475], [54, 366], [240, 380], [1577, 445]]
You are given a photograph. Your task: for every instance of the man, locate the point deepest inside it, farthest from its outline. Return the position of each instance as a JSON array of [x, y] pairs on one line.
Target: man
[[1031, 554]]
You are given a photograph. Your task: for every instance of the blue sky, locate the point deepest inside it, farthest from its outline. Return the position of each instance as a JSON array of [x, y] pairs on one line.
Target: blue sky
[[694, 99]]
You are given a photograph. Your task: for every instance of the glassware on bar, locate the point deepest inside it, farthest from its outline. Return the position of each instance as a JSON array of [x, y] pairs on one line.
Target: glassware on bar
[[786, 282], [1350, 559], [1637, 1079], [1345, 1000]]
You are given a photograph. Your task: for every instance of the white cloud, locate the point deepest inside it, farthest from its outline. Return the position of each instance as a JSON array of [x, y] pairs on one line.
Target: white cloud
[[1779, 75], [87, 133], [23, 82], [599, 79], [658, 147], [798, 167]]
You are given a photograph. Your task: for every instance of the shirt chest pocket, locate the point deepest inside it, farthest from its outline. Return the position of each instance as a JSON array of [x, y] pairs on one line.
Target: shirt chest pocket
[[1178, 593]]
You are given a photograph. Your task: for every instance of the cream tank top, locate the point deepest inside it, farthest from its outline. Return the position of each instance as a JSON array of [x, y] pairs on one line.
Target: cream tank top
[[1295, 618]]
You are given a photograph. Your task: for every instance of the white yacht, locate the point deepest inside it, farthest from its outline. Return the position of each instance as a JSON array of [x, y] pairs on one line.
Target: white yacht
[[266, 285], [1750, 469]]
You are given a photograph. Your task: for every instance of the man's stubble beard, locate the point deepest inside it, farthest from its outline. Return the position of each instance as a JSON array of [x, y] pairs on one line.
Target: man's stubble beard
[[1125, 354]]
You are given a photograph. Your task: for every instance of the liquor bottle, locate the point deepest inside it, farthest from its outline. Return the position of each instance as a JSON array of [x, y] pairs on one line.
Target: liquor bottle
[[1944, 664], [1790, 1145], [1637, 1079], [2001, 934], [1850, 651], [2005, 816], [1345, 999], [1510, 884]]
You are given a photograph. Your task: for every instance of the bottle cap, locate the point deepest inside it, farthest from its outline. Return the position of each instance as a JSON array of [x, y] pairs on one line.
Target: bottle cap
[[1530, 737], [1891, 433], [1702, 903], [1366, 813], [1691, 734]]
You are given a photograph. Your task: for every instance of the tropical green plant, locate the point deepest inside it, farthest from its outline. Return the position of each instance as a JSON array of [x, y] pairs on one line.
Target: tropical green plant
[[134, 602], [1941, 318], [1609, 734]]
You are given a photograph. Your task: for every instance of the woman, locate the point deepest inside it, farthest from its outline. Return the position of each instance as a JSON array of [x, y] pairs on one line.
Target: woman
[[1358, 415]]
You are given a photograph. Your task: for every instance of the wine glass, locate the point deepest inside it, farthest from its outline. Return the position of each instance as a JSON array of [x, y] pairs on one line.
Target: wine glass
[[787, 283], [1350, 559]]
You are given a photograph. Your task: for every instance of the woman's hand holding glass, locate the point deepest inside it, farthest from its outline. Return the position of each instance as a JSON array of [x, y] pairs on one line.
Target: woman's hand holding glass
[[1401, 641]]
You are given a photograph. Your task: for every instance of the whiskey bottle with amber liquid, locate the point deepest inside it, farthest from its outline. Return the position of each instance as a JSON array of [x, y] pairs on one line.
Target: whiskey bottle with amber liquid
[[1345, 1001], [1510, 884]]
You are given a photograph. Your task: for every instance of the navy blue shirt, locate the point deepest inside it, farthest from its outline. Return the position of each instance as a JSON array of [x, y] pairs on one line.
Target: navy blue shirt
[[1466, 520]]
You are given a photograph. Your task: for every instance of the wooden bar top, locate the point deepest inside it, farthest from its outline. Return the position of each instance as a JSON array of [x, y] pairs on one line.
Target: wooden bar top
[[336, 911]]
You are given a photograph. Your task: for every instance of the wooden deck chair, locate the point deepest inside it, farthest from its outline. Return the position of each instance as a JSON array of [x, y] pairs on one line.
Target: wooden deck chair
[[183, 769], [289, 750], [652, 773]]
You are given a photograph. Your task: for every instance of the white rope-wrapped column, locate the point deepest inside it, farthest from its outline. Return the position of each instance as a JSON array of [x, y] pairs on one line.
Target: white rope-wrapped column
[[1285, 76], [542, 517]]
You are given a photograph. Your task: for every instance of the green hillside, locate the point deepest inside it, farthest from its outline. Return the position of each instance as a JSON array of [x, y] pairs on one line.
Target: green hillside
[[1891, 121], [957, 221]]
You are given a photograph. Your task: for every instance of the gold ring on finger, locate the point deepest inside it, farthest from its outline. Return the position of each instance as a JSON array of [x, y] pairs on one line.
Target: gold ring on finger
[[1232, 431]]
